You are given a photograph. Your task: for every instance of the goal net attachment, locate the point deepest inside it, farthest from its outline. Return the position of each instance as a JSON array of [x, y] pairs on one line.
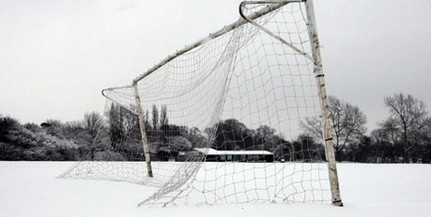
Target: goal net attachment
[[223, 120]]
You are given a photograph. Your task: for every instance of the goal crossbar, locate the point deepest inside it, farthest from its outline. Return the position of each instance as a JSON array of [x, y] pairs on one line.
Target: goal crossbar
[[276, 5]]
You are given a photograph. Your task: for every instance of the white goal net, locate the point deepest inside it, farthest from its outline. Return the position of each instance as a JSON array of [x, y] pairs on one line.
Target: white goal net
[[221, 121]]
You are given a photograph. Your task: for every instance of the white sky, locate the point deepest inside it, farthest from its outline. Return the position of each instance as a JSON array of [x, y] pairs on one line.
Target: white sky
[[56, 56]]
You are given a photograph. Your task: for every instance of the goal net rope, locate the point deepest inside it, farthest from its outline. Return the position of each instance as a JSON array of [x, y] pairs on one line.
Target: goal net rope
[[223, 118]]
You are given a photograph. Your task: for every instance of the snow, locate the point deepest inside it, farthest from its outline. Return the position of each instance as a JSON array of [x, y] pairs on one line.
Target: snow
[[32, 189]]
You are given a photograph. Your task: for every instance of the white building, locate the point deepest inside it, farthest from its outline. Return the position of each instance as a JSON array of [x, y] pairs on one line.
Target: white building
[[237, 155]]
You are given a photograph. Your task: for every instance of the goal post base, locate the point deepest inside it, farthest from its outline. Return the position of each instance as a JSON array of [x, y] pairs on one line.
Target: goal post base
[[338, 203]]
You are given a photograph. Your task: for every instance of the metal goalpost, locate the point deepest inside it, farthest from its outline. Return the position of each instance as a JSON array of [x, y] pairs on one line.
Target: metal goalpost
[[231, 53]]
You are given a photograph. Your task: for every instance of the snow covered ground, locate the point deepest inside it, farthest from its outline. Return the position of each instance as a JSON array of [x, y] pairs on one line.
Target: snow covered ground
[[31, 189]]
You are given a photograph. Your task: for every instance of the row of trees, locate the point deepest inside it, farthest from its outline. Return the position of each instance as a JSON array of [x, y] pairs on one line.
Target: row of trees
[[52, 140], [169, 141], [234, 135], [404, 136], [119, 138]]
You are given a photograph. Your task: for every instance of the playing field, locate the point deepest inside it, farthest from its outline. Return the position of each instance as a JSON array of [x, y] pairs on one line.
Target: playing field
[[31, 189]]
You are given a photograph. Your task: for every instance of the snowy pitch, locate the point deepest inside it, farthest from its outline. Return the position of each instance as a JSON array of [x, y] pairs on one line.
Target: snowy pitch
[[31, 189]]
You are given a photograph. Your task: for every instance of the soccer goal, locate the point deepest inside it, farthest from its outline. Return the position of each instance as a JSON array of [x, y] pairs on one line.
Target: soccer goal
[[221, 121]]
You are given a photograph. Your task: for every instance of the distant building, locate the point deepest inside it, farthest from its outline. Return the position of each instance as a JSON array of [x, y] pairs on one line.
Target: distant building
[[237, 155]]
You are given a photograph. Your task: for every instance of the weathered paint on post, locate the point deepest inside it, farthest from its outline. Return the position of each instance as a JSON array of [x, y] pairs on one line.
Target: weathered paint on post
[[328, 128], [143, 133]]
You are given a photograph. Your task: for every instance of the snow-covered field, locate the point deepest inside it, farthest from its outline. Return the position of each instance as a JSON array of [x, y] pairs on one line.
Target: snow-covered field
[[31, 189]]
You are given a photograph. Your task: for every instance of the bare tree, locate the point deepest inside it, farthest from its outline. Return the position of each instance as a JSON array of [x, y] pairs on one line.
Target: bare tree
[[163, 116], [93, 122], [116, 121], [407, 122], [348, 122], [313, 127], [155, 117], [147, 121]]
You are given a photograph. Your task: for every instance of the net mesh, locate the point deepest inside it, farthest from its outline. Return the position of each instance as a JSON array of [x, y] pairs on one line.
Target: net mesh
[[223, 120]]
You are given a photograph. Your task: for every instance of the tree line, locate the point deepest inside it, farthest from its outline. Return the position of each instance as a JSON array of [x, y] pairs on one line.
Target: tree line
[[404, 136], [117, 138]]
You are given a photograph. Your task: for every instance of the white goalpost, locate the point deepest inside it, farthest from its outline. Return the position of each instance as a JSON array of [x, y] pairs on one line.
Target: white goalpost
[[220, 121]]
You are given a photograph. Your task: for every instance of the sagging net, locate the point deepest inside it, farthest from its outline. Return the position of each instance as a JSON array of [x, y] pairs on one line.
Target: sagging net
[[224, 120]]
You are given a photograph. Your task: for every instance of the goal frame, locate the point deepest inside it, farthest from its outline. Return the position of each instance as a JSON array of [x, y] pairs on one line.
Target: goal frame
[[315, 57], [324, 102]]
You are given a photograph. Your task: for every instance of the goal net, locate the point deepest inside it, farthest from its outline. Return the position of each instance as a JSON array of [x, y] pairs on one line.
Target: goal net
[[221, 121]]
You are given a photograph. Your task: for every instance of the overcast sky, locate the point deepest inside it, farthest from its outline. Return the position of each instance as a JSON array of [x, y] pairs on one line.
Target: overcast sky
[[56, 56]]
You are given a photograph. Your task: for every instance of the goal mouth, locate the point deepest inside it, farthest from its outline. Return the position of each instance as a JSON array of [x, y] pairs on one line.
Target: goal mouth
[[221, 121]]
